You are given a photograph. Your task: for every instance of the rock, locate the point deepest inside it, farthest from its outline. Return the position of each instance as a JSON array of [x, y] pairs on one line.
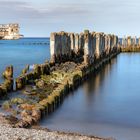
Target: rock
[[6, 105], [24, 113], [17, 101], [36, 115], [28, 119], [40, 83], [27, 107], [11, 119], [9, 133]]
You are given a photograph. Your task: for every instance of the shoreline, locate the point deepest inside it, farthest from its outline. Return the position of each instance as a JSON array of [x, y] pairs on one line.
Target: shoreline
[[48, 84], [7, 132]]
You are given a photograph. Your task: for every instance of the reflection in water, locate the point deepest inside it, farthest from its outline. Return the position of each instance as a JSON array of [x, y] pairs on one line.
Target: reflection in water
[[106, 105], [93, 84]]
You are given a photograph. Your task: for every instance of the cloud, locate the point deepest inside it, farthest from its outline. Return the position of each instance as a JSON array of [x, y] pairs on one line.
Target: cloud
[[16, 9], [26, 10], [121, 16]]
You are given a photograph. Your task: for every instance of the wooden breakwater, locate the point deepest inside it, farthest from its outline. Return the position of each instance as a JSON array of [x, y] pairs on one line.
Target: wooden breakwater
[[130, 44], [90, 47], [32, 113], [73, 58]]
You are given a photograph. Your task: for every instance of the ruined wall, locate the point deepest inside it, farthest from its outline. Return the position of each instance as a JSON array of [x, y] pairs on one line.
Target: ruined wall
[[90, 46]]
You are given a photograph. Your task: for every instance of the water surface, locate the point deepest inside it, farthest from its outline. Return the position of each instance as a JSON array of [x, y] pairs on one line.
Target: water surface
[[107, 105], [23, 51]]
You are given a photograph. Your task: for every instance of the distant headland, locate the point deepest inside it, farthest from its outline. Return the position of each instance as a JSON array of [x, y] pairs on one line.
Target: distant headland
[[9, 31]]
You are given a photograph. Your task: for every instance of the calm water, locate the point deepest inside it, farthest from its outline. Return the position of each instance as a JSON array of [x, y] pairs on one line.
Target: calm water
[[22, 52], [108, 105]]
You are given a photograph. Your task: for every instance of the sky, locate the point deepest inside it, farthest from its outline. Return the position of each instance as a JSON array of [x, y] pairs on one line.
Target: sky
[[38, 18]]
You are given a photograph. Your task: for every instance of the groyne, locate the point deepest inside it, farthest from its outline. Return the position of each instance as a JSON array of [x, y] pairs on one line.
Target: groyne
[[130, 44], [90, 47], [73, 58]]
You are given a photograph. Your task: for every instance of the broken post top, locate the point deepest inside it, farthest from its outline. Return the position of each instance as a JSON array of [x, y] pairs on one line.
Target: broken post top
[[66, 46]]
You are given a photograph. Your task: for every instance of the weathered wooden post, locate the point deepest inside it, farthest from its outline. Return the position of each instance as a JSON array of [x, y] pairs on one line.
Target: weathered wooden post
[[139, 42], [8, 73], [86, 47], [53, 47], [97, 50], [129, 41], [76, 43]]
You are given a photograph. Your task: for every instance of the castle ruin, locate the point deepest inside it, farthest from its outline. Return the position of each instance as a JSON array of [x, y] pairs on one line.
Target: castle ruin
[[9, 31]]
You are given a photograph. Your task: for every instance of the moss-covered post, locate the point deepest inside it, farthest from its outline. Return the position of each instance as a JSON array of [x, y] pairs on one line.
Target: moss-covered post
[[8, 73]]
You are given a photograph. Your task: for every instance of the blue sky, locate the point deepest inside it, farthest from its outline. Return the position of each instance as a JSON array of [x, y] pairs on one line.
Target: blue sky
[[41, 17]]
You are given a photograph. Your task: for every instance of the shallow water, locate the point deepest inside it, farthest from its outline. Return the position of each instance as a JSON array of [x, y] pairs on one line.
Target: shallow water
[[107, 105], [22, 52]]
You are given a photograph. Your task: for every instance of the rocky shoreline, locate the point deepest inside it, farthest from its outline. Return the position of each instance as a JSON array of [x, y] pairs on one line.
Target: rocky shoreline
[[7, 132]]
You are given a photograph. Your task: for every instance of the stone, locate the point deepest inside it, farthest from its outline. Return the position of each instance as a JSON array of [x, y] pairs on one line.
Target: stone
[[40, 83], [6, 105], [17, 101]]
